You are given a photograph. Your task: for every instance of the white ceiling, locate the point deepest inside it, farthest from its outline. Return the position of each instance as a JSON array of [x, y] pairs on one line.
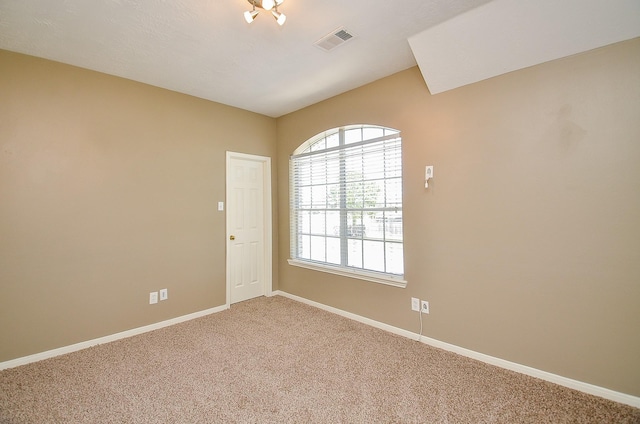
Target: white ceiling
[[205, 48], [507, 35]]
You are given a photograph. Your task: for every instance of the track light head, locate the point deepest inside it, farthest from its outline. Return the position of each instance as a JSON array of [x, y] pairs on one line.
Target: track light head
[[249, 16], [268, 5], [280, 17]]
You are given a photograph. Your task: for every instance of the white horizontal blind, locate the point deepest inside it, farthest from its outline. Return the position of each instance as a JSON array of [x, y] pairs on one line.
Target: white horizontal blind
[[346, 200]]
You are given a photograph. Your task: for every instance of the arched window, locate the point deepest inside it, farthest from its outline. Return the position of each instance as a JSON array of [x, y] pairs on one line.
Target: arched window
[[346, 203]]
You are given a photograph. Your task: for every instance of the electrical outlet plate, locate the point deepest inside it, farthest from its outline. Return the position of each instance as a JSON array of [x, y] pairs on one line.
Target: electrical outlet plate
[[428, 174], [153, 298], [164, 294], [425, 307], [415, 304]]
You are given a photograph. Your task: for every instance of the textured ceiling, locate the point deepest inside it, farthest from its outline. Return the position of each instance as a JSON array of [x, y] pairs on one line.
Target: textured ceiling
[[205, 48]]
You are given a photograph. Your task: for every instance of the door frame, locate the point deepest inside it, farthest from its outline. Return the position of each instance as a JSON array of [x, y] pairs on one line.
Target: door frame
[[267, 224]]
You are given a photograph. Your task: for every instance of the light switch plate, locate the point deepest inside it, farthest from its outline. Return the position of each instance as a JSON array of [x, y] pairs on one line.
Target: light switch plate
[[415, 304]]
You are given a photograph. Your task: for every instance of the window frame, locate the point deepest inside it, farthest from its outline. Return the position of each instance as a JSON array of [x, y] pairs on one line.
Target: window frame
[[306, 150]]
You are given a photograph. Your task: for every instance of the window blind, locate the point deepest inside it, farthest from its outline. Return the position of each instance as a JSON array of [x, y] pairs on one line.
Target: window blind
[[346, 200]]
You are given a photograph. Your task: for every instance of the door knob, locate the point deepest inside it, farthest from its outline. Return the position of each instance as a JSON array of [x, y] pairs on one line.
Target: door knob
[[232, 237]]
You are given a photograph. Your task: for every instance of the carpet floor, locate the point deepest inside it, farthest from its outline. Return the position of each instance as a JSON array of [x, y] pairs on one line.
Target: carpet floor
[[275, 360]]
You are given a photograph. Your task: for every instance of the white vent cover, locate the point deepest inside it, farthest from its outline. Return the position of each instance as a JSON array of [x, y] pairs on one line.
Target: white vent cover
[[333, 39]]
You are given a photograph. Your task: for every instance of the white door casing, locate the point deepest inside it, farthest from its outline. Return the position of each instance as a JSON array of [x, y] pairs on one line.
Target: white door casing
[[248, 224]]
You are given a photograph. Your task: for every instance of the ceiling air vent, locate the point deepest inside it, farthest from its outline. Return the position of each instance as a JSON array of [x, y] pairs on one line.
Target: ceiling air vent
[[333, 40]]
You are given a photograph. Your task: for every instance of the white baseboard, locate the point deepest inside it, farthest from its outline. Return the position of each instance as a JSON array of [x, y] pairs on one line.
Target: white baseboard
[[113, 337], [523, 369]]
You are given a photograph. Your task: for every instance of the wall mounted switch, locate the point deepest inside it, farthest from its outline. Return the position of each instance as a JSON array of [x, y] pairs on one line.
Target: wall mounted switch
[[415, 304], [153, 298], [164, 294]]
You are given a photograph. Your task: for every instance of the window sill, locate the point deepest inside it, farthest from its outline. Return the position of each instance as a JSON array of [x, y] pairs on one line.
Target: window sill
[[361, 275]]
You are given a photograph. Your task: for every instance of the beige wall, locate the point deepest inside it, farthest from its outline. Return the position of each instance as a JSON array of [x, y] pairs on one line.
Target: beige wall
[[527, 243], [108, 191]]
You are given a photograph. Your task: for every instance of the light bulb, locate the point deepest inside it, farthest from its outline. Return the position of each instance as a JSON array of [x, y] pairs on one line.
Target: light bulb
[[268, 4]]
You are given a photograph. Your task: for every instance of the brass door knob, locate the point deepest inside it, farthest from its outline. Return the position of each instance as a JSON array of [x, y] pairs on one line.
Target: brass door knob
[[232, 237]]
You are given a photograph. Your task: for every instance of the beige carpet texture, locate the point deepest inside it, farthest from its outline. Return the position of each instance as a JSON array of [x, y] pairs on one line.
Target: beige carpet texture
[[275, 360]]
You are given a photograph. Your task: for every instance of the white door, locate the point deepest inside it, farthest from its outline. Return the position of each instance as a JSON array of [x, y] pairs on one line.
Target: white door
[[246, 236]]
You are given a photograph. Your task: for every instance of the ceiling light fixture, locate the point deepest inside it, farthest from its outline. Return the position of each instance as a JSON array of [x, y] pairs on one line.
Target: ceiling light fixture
[[267, 5]]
